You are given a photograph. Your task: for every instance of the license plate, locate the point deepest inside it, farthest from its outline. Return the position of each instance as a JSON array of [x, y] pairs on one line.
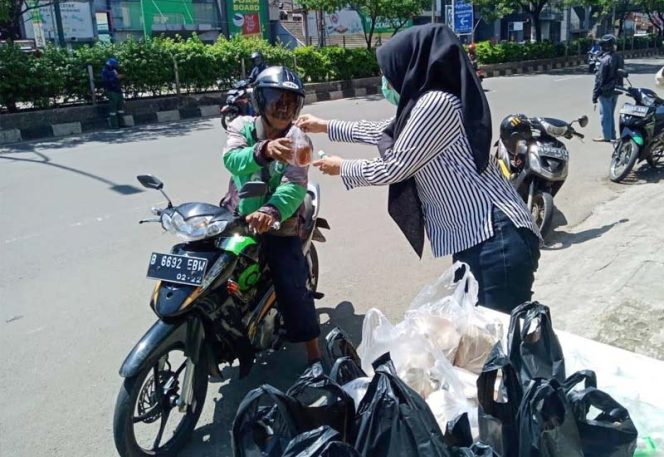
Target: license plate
[[554, 153], [634, 110], [180, 269]]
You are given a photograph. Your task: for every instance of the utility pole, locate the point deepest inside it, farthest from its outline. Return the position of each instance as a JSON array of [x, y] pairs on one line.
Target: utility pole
[[58, 23], [433, 11]]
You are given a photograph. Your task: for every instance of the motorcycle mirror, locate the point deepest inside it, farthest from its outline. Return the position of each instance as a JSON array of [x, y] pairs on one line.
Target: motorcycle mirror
[[150, 182], [253, 189], [583, 121]]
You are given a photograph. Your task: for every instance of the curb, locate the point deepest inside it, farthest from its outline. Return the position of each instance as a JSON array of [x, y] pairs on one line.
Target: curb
[[538, 66], [316, 92]]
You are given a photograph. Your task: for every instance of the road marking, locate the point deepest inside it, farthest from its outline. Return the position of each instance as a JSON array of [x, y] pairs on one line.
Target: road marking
[[568, 78]]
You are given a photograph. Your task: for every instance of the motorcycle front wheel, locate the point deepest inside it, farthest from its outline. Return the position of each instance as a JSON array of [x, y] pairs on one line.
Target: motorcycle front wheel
[[542, 211], [147, 420], [623, 159]]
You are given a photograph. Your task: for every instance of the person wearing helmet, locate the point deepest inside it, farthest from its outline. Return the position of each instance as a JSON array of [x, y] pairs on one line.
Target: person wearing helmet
[[604, 92], [110, 78], [514, 129], [257, 150], [258, 66]]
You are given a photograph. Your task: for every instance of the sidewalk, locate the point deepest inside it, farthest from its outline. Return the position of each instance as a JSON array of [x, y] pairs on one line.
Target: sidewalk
[[604, 278]]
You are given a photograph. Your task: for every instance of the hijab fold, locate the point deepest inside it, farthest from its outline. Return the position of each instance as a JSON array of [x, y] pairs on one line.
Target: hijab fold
[[416, 61]]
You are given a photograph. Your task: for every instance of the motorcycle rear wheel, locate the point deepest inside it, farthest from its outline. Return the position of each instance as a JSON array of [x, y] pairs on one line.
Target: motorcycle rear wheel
[[623, 159], [141, 393], [542, 211], [656, 157], [227, 118]]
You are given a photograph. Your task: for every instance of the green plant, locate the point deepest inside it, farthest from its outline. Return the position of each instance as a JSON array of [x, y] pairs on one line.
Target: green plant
[[312, 64]]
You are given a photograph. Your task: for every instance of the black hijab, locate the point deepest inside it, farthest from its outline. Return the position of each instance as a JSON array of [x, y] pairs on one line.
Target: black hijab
[[416, 61]]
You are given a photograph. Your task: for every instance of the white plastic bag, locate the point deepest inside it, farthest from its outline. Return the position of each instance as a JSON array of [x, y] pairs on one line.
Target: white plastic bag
[[302, 148]]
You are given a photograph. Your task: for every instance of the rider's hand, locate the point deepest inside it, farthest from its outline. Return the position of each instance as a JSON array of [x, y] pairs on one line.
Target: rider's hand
[[280, 149], [329, 165], [312, 124], [260, 222]]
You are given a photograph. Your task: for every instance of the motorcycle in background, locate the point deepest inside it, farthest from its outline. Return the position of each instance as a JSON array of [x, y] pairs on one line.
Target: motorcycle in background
[[238, 103], [215, 304], [641, 131], [539, 166]]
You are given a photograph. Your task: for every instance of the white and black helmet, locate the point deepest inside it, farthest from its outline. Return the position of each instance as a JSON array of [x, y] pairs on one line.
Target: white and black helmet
[[279, 92]]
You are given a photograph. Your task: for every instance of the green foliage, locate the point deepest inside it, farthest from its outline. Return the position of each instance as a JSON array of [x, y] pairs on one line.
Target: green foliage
[[345, 64], [312, 65]]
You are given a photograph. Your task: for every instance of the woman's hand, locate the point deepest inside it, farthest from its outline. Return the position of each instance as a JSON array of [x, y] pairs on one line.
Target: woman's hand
[[329, 165], [311, 124], [259, 222], [280, 149]]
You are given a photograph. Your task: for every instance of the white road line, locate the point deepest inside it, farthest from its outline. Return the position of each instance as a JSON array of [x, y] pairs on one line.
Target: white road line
[[568, 78]]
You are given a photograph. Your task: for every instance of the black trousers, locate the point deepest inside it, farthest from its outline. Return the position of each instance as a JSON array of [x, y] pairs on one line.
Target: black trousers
[[289, 271], [504, 265]]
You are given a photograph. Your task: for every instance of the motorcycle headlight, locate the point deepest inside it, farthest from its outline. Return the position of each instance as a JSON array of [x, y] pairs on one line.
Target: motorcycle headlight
[[647, 101], [192, 229]]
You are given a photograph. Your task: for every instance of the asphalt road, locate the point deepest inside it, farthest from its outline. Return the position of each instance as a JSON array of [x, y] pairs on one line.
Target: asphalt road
[[72, 276]]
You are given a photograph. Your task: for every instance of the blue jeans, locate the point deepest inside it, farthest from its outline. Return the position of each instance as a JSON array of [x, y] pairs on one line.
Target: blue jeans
[[607, 108], [504, 265]]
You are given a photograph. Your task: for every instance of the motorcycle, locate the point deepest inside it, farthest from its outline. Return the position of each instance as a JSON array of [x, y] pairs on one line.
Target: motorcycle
[[593, 61], [641, 132], [216, 304], [238, 103], [539, 166]]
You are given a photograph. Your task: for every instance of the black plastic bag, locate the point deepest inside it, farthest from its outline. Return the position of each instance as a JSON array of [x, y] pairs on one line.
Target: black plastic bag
[[394, 421], [612, 433], [321, 442], [476, 450], [458, 432], [497, 413], [338, 345], [346, 370], [266, 421], [324, 402], [547, 427], [534, 348]]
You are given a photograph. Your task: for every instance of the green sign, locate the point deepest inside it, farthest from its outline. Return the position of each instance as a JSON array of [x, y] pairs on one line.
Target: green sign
[[383, 25], [248, 17], [167, 12]]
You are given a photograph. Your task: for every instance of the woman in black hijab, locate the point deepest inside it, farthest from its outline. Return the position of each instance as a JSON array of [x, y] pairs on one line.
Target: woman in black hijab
[[435, 157]]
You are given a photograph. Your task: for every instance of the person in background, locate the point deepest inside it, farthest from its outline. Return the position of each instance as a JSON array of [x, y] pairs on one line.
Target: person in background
[[659, 78], [258, 66], [111, 77], [604, 92], [435, 156]]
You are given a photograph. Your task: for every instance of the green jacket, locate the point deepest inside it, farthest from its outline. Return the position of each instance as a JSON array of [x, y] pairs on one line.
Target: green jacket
[[287, 183]]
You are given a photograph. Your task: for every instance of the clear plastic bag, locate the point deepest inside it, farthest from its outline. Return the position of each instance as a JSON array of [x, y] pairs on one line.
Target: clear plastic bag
[[302, 148], [356, 389]]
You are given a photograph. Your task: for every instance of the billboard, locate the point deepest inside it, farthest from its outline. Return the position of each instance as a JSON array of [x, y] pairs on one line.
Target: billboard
[[248, 18], [76, 21], [348, 21]]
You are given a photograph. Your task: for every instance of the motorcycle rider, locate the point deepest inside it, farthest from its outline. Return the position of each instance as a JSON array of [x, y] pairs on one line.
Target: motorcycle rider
[[259, 66], [606, 80], [257, 150]]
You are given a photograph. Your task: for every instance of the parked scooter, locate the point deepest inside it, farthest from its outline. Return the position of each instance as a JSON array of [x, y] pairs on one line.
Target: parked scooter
[[215, 304], [238, 103], [641, 131], [536, 162]]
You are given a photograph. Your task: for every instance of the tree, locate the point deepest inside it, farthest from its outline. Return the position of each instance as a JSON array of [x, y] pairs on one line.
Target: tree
[[654, 9], [321, 7], [11, 16], [395, 13], [495, 9]]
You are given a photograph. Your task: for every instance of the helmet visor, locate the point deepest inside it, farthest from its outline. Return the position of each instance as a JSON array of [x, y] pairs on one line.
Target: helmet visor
[[281, 104]]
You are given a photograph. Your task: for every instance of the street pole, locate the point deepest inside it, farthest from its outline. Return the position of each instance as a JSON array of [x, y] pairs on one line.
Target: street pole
[[433, 11], [58, 23]]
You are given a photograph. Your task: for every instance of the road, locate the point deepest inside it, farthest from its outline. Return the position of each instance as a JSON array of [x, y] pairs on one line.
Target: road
[[72, 276]]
